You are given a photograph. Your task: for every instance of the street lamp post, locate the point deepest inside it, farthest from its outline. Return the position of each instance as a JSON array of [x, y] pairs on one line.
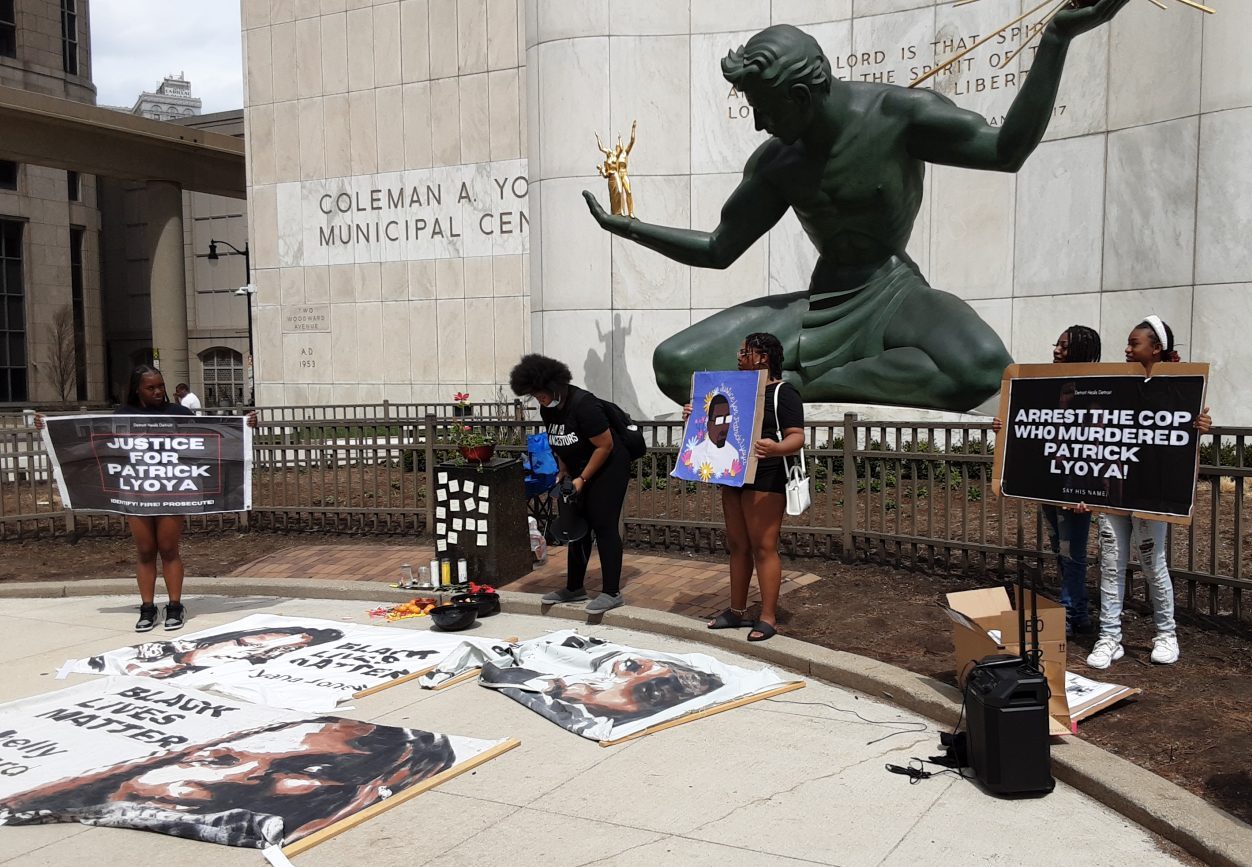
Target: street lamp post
[[247, 290]]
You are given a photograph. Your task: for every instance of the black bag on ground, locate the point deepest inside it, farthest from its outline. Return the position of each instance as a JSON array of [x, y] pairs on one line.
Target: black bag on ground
[[623, 427]]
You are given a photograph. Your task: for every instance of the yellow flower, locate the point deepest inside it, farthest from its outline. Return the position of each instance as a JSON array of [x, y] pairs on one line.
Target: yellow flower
[[706, 471], [708, 401]]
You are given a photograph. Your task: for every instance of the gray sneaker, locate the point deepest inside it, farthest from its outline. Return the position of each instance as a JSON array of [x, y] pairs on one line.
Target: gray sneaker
[[556, 597], [605, 602]]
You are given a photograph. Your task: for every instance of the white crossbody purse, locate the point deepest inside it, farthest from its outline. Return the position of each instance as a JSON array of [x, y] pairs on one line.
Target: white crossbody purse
[[798, 496]]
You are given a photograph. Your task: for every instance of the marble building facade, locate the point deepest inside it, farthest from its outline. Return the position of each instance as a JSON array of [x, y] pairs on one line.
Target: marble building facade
[[1137, 201], [387, 196]]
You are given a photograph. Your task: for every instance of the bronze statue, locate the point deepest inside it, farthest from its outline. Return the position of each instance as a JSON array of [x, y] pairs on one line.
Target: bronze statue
[[614, 170], [849, 158]]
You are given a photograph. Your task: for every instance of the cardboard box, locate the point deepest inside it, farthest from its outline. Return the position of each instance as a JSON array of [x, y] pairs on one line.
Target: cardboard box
[[985, 623]]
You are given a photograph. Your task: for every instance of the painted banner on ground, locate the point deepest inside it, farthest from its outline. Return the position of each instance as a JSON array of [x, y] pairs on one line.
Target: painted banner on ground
[[725, 423], [605, 691], [136, 753], [290, 662], [151, 464], [1102, 434]]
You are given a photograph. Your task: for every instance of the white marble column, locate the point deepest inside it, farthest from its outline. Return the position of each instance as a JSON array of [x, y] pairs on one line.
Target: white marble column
[[168, 282]]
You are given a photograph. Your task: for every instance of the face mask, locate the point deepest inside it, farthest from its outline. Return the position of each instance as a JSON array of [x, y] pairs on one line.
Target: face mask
[[556, 401]]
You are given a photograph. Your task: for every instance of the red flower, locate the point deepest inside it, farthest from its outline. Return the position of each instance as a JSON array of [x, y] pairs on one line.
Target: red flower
[[461, 397]]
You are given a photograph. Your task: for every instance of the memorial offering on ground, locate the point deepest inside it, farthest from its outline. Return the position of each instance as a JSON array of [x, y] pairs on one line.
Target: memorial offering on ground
[[1102, 434], [610, 692], [725, 422], [151, 464], [130, 752], [290, 662]]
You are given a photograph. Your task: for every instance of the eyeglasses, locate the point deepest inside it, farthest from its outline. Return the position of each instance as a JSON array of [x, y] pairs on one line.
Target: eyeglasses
[[722, 419], [748, 353]]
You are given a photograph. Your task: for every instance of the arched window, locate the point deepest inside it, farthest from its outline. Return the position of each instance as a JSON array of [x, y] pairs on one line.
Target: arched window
[[224, 380]]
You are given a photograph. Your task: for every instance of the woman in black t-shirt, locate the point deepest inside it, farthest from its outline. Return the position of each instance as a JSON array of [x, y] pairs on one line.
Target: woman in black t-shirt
[[754, 513], [597, 464]]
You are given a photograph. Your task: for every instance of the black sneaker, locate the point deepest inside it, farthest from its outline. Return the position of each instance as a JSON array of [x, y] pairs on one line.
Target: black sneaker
[[147, 618], [175, 614]]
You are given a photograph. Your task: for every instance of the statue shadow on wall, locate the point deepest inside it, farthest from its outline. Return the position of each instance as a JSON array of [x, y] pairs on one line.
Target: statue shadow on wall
[[599, 366]]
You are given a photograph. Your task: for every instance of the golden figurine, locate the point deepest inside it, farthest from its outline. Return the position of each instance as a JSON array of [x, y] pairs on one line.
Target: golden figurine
[[614, 170]]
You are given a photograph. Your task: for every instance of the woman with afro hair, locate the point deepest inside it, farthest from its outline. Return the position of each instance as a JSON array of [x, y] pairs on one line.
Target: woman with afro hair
[[595, 462]]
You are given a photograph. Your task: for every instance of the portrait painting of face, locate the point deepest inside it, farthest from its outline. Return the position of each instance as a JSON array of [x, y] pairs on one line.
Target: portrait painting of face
[[725, 420], [244, 775], [604, 691]]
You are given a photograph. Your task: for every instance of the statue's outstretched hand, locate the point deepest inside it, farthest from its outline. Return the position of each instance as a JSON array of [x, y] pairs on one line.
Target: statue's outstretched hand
[[611, 222], [1072, 22]]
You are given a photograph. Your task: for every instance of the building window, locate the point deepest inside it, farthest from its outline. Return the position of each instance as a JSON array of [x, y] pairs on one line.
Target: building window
[[223, 377], [8, 29], [77, 237], [69, 36], [8, 175], [73, 186], [12, 314]]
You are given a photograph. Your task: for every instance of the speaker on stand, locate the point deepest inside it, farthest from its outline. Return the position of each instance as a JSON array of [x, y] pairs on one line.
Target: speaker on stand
[[1006, 709]]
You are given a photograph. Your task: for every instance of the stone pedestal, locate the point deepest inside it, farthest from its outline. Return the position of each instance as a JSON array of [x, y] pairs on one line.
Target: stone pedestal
[[480, 515]]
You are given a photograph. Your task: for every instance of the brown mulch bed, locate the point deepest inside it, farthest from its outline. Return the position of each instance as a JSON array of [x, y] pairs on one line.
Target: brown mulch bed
[[1192, 724]]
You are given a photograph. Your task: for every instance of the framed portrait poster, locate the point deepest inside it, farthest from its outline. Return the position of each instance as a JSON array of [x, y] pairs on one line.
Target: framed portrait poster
[[725, 421]]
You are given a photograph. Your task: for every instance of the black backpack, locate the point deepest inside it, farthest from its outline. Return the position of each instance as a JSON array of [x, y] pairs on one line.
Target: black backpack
[[621, 424]]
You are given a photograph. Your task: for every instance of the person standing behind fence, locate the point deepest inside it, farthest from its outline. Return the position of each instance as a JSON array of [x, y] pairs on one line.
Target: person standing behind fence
[[185, 396], [1151, 342], [598, 465], [753, 513]]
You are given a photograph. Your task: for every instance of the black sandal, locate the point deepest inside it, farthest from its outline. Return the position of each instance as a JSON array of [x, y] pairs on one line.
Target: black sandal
[[766, 631], [730, 619]]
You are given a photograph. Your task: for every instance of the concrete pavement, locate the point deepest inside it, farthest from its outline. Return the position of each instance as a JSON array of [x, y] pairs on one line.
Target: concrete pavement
[[787, 781]]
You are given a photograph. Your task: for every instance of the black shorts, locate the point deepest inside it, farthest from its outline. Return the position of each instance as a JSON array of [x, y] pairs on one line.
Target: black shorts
[[770, 477]]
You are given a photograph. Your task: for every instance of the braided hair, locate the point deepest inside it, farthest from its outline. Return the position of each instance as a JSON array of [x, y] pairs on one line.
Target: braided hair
[[767, 344], [1084, 344]]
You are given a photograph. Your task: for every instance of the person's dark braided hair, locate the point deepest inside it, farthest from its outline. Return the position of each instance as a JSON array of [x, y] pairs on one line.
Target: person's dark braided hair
[[763, 341], [1084, 344]]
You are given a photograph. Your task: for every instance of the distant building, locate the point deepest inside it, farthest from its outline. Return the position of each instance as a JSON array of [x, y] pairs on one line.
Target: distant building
[[80, 249], [172, 100]]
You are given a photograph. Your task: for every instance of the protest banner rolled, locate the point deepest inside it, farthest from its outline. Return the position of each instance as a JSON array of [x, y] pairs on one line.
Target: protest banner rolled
[[1102, 434], [151, 464]]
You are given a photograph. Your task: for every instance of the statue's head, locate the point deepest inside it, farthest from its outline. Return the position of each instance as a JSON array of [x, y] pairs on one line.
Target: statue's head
[[783, 73]]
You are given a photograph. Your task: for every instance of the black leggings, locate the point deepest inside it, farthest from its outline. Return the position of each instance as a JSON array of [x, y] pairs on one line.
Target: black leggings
[[601, 502]]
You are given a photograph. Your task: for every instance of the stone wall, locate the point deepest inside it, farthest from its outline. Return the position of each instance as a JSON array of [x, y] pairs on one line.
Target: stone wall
[[1138, 201], [389, 224]]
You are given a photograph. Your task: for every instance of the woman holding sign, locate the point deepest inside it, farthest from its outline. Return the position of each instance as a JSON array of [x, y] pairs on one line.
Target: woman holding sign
[[155, 534], [1151, 342], [753, 513]]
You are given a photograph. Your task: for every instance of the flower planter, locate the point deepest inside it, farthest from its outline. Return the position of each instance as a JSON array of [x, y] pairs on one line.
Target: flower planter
[[478, 454]]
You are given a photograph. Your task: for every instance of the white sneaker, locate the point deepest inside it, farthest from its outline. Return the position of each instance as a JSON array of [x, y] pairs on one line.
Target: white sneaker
[[1106, 652], [1165, 649]]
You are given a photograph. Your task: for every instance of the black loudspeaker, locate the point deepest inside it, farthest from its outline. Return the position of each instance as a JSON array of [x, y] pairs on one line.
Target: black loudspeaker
[[1006, 706]]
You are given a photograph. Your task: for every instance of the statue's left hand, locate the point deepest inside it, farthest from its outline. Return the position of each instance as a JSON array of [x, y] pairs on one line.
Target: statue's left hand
[[1072, 22], [615, 223]]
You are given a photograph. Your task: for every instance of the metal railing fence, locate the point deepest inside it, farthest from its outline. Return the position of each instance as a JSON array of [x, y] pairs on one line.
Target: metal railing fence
[[911, 494]]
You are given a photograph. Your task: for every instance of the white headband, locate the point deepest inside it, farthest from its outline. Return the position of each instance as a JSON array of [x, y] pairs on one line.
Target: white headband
[[1158, 327]]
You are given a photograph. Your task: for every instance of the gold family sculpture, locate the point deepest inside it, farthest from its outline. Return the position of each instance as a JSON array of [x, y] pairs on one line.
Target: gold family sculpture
[[614, 170]]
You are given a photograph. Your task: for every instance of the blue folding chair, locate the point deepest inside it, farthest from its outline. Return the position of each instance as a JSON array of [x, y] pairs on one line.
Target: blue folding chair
[[541, 473]]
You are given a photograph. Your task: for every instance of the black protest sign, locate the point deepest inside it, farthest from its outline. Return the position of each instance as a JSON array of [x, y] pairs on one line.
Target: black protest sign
[[1102, 434], [151, 464]]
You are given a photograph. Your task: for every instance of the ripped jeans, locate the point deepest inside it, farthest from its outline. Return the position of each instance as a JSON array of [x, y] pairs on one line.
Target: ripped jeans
[[1116, 535]]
